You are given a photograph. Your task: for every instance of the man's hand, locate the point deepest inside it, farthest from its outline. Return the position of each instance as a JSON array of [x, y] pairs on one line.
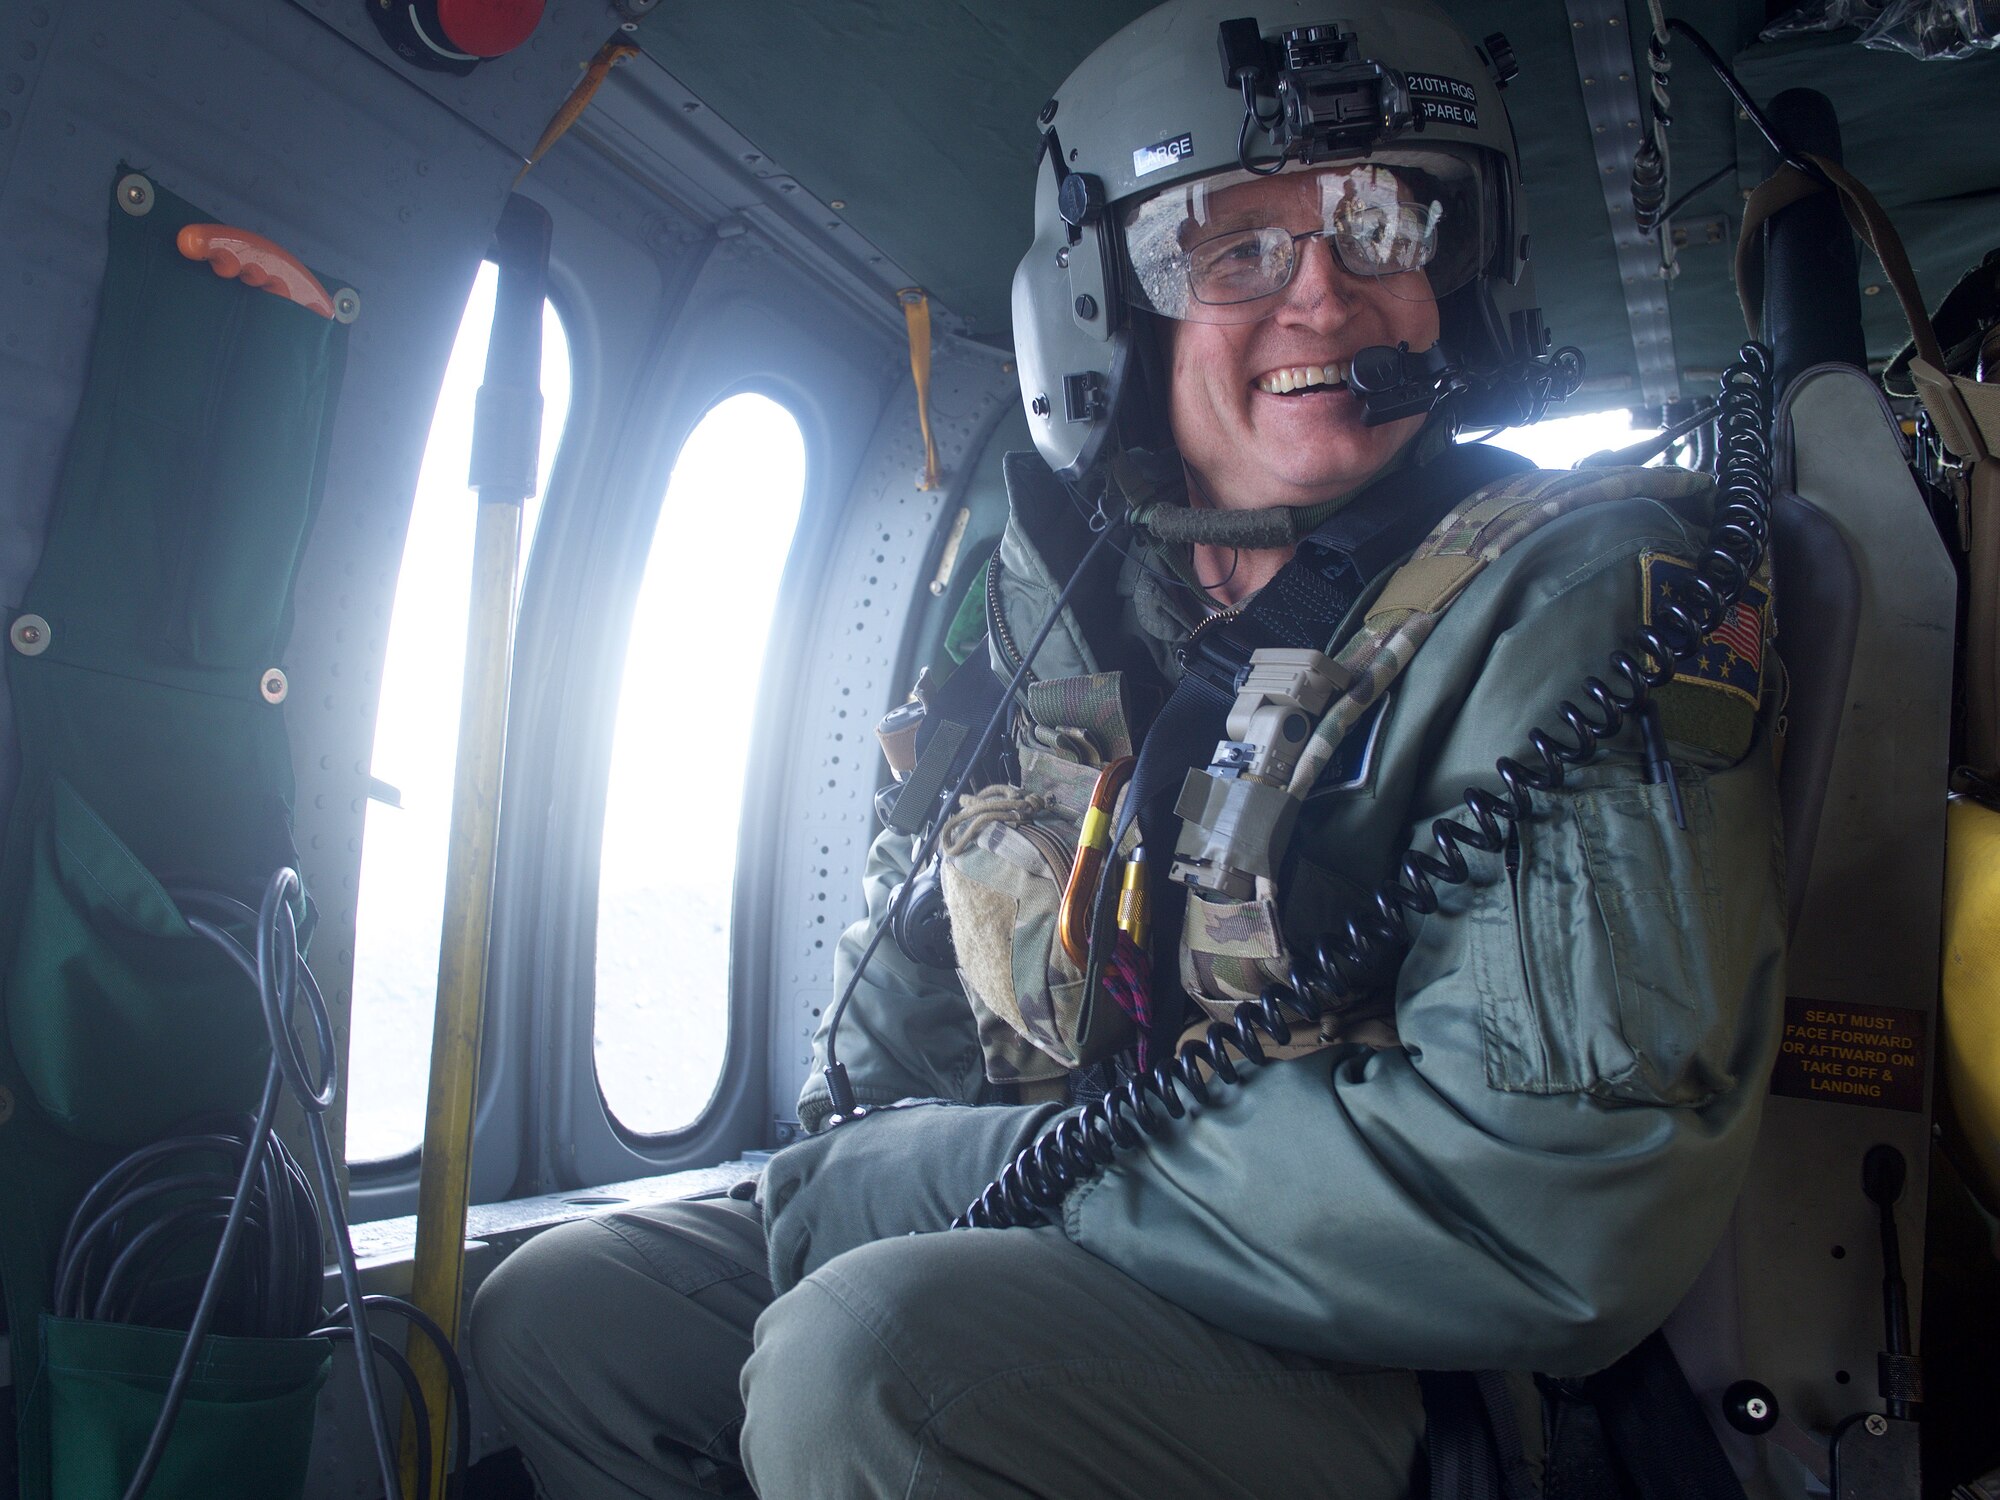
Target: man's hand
[[907, 1169]]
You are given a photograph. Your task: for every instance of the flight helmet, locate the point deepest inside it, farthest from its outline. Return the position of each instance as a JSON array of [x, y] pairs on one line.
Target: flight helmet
[[1396, 113]]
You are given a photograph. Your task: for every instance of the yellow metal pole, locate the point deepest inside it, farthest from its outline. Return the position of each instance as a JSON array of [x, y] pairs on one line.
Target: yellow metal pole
[[442, 1194], [506, 435]]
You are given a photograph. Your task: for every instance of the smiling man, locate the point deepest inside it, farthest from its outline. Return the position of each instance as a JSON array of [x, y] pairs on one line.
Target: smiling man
[[1511, 1142], [1259, 405]]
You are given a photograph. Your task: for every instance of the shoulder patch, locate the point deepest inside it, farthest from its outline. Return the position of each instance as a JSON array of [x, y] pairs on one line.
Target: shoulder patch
[[1731, 660]]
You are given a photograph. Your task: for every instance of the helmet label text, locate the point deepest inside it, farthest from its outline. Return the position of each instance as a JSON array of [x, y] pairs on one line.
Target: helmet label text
[[1449, 101], [1162, 154]]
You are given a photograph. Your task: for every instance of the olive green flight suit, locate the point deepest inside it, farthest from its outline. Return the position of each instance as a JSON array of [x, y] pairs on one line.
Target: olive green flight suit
[[1529, 1181]]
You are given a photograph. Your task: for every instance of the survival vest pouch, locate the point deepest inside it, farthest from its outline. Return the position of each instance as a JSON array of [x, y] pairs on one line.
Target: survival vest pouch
[[1959, 387], [144, 674], [1007, 853]]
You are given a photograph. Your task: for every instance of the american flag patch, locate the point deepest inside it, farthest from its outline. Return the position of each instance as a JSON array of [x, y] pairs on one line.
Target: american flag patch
[[1731, 657]]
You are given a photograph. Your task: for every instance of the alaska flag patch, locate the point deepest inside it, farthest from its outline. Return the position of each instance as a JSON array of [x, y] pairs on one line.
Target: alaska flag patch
[[1731, 659]]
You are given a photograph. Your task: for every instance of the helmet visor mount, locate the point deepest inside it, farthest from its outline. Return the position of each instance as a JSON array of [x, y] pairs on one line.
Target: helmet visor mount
[[1223, 249]]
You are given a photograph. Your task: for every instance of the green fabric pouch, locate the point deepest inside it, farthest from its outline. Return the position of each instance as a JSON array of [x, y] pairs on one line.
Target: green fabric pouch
[[153, 746], [123, 1019], [248, 1412]]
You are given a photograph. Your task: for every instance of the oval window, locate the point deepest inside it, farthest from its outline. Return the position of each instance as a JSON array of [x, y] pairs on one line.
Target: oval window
[[692, 671]]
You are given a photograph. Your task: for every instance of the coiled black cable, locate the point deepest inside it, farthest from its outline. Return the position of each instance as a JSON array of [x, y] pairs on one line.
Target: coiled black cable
[[1368, 948], [131, 1225]]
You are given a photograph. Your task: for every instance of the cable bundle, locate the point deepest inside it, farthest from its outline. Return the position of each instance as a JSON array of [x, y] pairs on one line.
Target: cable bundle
[[128, 1255]]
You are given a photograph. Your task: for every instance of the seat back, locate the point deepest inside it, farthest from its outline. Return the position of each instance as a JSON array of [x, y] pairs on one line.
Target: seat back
[[1865, 597]]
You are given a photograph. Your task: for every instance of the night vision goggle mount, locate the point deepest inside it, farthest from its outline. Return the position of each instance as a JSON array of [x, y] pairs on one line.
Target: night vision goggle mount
[[1328, 99]]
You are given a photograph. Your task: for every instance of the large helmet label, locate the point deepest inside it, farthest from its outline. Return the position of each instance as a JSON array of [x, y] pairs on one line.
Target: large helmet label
[[1449, 101], [1162, 154]]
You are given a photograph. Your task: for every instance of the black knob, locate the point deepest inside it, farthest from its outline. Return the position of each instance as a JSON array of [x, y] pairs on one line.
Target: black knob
[[1086, 307], [1749, 1406], [1500, 53], [1080, 199], [1048, 113]]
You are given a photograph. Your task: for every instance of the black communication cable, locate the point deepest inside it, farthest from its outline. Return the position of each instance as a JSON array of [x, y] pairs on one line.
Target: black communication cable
[[1648, 173], [1035, 1183], [1694, 192], [839, 1091]]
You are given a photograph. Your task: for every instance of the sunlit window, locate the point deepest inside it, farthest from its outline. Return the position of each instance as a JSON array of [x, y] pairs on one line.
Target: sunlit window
[[676, 794], [416, 746], [1560, 441]]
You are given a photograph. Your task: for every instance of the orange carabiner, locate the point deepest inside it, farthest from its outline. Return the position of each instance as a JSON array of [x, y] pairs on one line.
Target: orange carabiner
[[1093, 847], [255, 261]]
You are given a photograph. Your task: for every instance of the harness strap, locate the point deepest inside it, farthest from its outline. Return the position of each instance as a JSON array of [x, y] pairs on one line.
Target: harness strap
[[946, 738], [1459, 1446], [1457, 551], [1655, 1429]]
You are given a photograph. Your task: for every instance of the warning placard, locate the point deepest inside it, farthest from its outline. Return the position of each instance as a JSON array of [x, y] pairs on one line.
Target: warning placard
[[1852, 1054]]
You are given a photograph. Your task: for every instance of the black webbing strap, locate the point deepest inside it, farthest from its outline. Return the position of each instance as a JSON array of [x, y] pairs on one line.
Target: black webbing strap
[[953, 716], [1299, 608], [1655, 1429], [1458, 1445]]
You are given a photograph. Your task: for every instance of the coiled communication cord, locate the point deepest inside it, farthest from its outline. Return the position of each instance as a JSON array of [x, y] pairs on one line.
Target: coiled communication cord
[[268, 1196], [1371, 945]]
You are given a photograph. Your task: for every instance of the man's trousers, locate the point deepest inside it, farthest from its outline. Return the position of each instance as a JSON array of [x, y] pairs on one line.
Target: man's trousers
[[641, 1353]]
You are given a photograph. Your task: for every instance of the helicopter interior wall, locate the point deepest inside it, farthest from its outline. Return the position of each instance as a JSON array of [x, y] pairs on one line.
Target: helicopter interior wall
[[231, 113], [741, 316], [275, 120]]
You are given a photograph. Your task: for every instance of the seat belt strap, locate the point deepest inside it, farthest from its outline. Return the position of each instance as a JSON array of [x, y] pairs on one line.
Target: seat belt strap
[[1656, 1429], [1458, 1444]]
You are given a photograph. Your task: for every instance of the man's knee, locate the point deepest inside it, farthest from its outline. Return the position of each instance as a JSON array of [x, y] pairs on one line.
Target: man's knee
[[837, 1369], [525, 1318]]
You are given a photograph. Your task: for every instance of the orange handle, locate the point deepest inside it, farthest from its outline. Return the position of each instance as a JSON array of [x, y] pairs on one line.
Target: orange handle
[[255, 261], [1093, 848]]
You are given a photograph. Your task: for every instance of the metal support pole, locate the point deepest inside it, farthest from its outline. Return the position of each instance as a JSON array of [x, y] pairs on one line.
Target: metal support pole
[[506, 437]]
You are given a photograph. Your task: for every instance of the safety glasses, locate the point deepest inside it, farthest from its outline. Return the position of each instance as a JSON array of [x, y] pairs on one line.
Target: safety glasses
[[1223, 249]]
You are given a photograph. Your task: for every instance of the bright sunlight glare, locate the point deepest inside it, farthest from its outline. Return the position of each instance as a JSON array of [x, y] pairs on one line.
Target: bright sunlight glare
[[416, 747], [1558, 442]]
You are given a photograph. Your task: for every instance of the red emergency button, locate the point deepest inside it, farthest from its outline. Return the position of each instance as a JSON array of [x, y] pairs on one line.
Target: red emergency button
[[488, 28]]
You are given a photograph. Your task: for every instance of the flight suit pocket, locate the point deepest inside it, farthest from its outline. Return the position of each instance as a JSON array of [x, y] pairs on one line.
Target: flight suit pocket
[[1609, 981]]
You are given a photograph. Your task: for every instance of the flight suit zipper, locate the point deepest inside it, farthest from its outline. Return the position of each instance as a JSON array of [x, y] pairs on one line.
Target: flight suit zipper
[[1010, 653]]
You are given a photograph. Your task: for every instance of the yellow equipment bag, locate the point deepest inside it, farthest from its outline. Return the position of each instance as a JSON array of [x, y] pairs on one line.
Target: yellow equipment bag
[[1971, 972]]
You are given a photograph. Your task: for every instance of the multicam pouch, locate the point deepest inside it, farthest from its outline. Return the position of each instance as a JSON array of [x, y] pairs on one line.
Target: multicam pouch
[[1007, 854]]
